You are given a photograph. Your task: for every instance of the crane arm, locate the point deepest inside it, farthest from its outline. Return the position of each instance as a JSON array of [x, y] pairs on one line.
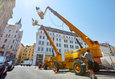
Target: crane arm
[[50, 40], [86, 39]]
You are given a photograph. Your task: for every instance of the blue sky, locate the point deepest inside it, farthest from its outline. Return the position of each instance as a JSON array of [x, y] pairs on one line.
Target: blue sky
[[95, 18]]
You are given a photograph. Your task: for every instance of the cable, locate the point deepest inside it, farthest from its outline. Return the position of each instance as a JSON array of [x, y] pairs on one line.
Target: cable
[[54, 22]]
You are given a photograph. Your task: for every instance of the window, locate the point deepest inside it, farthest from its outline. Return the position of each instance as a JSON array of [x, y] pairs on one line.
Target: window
[[63, 36], [49, 49], [40, 31], [64, 33], [59, 50], [59, 40], [65, 45], [39, 42], [40, 37], [56, 39], [71, 46], [77, 47], [42, 42], [47, 43], [43, 37], [5, 40], [50, 33], [65, 50], [66, 36], [14, 36], [81, 43], [47, 38], [9, 30], [11, 47], [9, 35], [85, 43], [46, 49], [13, 41], [71, 41], [59, 45], [53, 38], [6, 35], [65, 41], [75, 42], [56, 34], [3, 46], [42, 49], [28, 54], [38, 48]]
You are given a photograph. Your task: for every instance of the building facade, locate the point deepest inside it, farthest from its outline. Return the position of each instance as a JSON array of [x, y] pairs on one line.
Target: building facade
[[63, 40], [20, 53], [10, 39], [28, 52], [6, 11]]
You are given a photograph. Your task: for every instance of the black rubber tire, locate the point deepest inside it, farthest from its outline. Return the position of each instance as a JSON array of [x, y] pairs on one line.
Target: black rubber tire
[[1, 75], [96, 67], [5, 73], [70, 70], [82, 68]]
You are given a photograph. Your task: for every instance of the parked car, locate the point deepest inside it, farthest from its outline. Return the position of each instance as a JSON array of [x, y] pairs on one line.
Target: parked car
[[3, 65], [10, 65]]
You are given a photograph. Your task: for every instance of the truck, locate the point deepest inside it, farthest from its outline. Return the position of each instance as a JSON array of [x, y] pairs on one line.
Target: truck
[[73, 58], [108, 59], [26, 63]]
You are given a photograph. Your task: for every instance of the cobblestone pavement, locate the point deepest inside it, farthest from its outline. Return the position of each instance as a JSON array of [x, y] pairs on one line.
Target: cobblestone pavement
[[24, 72]]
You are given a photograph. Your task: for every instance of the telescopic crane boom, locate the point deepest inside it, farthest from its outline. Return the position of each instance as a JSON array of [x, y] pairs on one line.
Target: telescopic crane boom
[[50, 40], [86, 39]]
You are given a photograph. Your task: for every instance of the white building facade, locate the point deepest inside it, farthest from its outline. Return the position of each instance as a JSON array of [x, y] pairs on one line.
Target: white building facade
[[63, 40], [11, 39]]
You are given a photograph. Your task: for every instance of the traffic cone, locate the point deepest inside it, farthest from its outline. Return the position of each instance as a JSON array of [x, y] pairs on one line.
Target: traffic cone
[[35, 67], [56, 71]]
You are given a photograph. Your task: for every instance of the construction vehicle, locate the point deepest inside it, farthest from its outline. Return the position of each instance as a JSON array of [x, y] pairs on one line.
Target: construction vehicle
[[73, 58], [48, 61]]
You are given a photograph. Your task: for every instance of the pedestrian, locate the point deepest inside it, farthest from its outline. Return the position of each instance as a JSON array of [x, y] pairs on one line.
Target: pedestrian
[[40, 65], [90, 63]]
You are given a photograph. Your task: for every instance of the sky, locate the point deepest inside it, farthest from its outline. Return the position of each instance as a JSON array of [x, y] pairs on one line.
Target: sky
[[95, 18]]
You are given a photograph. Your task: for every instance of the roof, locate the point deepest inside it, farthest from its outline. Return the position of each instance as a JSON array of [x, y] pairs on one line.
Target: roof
[[58, 31], [22, 44]]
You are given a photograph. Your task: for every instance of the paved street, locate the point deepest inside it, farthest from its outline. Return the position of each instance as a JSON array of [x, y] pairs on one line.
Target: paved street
[[24, 72]]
